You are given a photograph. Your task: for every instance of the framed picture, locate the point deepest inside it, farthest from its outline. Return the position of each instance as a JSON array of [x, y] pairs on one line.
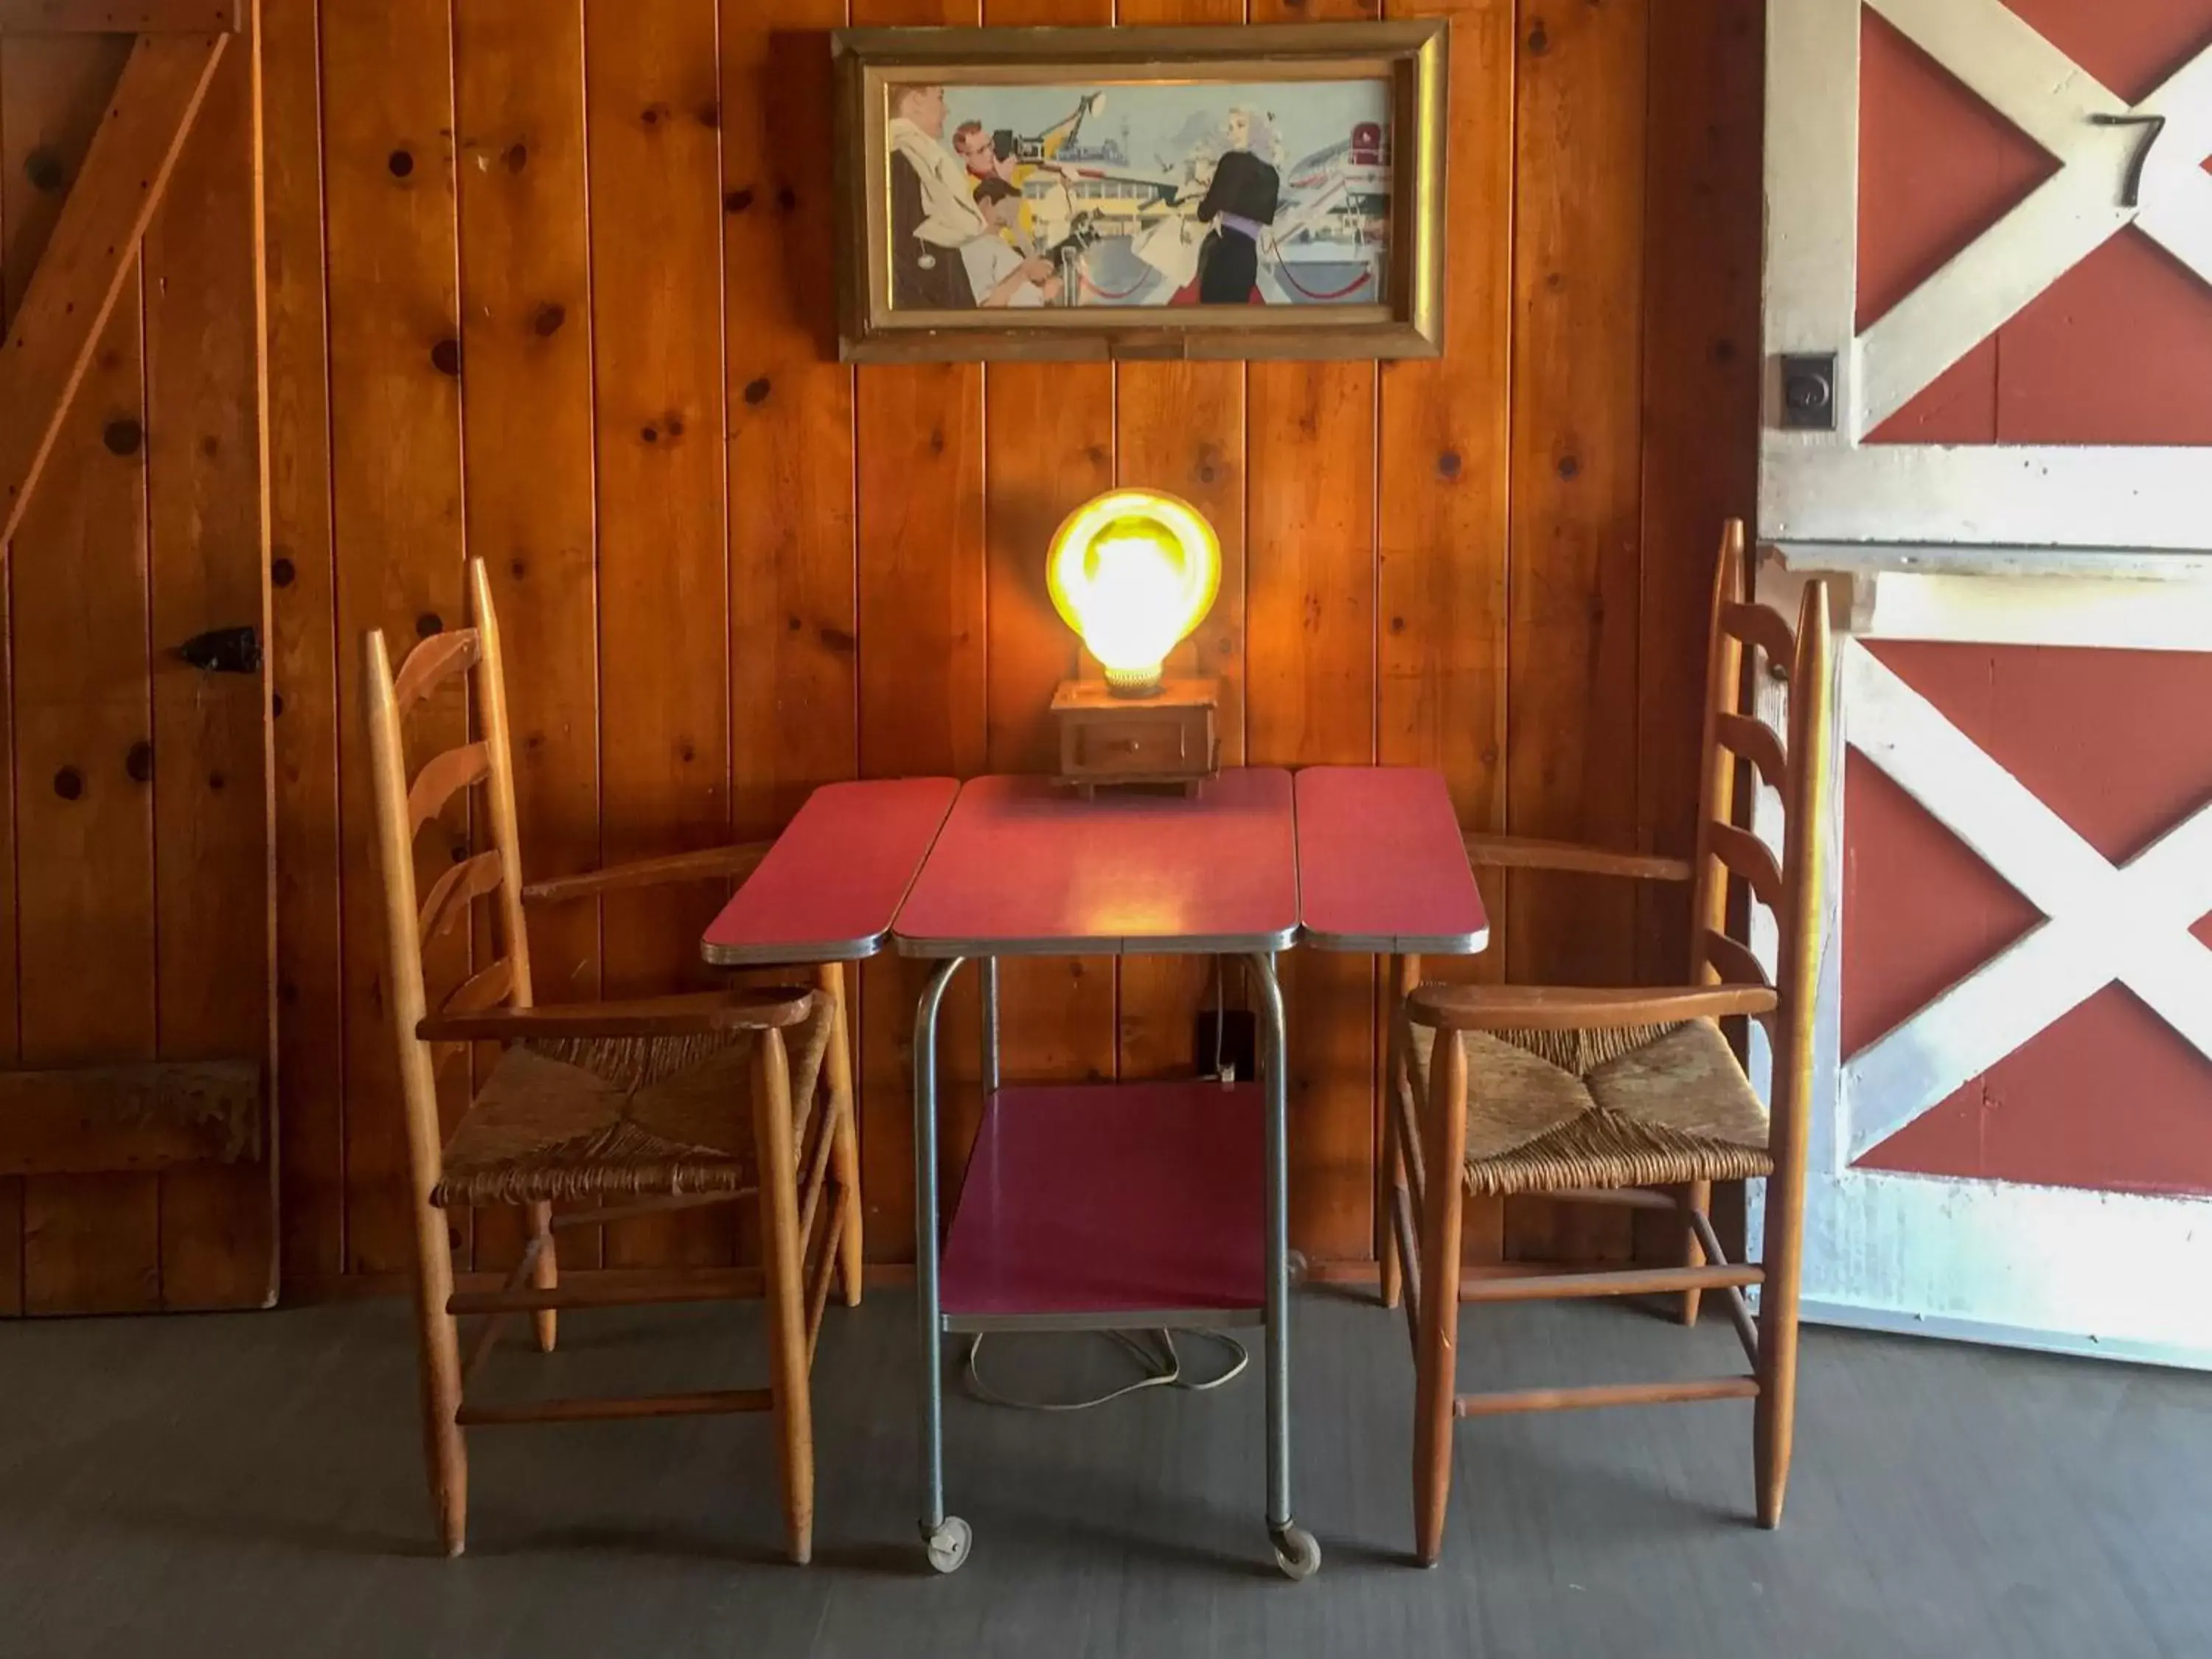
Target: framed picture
[[1055, 193]]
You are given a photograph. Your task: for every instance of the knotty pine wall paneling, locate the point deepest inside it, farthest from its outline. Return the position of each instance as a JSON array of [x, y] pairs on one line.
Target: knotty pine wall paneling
[[1494, 563], [304, 658], [203, 443], [1574, 570], [653, 95], [528, 508], [397, 522]]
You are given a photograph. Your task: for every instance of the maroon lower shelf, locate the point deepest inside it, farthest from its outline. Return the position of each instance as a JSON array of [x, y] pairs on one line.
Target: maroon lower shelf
[[1086, 1201]]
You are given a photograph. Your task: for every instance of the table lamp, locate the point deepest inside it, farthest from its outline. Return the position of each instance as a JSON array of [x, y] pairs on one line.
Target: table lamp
[[1133, 572]]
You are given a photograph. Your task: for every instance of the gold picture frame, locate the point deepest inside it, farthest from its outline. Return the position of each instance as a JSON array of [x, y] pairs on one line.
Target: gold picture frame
[[920, 311]]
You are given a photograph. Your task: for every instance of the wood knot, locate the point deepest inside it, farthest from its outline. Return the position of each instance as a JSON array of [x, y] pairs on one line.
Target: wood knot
[[737, 200], [281, 571], [446, 358], [549, 319], [1448, 465], [69, 783], [122, 436], [138, 762], [517, 157], [757, 391], [43, 167], [1569, 467], [428, 624], [1540, 41], [402, 162], [275, 704], [787, 198]]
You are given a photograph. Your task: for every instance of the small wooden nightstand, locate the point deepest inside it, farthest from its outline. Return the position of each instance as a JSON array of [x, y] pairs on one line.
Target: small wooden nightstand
[[1165, 739]]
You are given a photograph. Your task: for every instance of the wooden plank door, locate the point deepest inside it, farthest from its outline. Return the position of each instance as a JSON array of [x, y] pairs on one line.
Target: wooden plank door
[[1988, 282], [137, 1147]]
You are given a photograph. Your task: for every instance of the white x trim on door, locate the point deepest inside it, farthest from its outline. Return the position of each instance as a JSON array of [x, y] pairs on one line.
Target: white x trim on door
[[1826, 484], [2104, 924], [2094, 136]]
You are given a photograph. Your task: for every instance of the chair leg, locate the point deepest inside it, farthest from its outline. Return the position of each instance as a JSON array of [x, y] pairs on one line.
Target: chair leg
[[782, 1252], [1405, 975], [1697, 1196], [439, 1343], [845, 1154], [1435, 1365], [1774, 1421], [544, 1274]]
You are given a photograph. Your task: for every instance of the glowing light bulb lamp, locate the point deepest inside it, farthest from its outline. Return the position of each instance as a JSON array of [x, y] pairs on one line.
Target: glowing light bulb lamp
[[1134, 571]]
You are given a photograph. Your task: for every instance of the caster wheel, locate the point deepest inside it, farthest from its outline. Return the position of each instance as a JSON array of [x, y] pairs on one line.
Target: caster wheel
[[1297, 1553], [949, 1544], [1297, 1266]]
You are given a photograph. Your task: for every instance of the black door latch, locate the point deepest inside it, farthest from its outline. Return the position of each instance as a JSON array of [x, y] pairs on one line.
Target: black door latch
[[224, 650]]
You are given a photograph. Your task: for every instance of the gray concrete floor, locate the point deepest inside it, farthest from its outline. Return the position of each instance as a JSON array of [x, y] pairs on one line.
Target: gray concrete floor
[[253, 1485]]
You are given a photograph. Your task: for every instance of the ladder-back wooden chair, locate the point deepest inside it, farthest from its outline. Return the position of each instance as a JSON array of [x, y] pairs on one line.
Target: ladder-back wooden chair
[[621, 1108], [1630, 1097]]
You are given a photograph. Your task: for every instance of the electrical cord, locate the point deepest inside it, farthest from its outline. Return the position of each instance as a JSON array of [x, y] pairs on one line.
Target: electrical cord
[[1168, 1377]]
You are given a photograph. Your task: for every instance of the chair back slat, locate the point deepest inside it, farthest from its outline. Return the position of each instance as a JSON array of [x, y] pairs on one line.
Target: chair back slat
[[1768, 630], [442, 779], [1744, 854], [1733, 962], [1756, 742], [432, 663], [487, 988], [453, 893]]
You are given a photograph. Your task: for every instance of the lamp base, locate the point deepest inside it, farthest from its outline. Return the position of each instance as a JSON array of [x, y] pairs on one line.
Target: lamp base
[[1117, 738], [1133, 682]]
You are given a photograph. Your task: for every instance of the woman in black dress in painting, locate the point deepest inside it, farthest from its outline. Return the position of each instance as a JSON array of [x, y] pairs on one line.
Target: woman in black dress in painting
[[1240, 204]]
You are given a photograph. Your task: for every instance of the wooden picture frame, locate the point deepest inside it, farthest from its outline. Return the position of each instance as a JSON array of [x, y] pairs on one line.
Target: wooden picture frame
[[1121, 241]]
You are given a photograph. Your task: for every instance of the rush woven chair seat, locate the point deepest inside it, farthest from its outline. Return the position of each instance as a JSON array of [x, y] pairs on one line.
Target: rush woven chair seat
[[1630, 1096], [610, 1110], [1640, 1106], [621, 1117]]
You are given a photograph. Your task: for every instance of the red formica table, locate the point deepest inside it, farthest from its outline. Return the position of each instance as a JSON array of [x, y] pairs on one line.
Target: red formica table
[[1118, 1206]]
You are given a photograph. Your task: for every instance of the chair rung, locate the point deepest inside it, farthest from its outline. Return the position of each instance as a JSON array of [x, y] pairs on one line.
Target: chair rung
[[1612, 1394], [1626, 1198], [593, 1410], [567, 1219], [1624, 1281], [731, 1286]]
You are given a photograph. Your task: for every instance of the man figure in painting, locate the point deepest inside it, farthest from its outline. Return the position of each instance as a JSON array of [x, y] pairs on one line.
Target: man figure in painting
[[1002, 271], [1240, 204], [980, 151], [932, 208]]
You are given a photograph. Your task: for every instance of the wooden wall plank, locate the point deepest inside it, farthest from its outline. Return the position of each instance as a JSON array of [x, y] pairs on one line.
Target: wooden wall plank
[[85, 920], [211, 798], [1703, 245], [652, 110], [1049, 445], [794, 615], [1310, 698], [302, 652], [11, 1189], [1571, 757], [1444, 494], [924, 700], [1180, 427], [526, 343], [395, 419]]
